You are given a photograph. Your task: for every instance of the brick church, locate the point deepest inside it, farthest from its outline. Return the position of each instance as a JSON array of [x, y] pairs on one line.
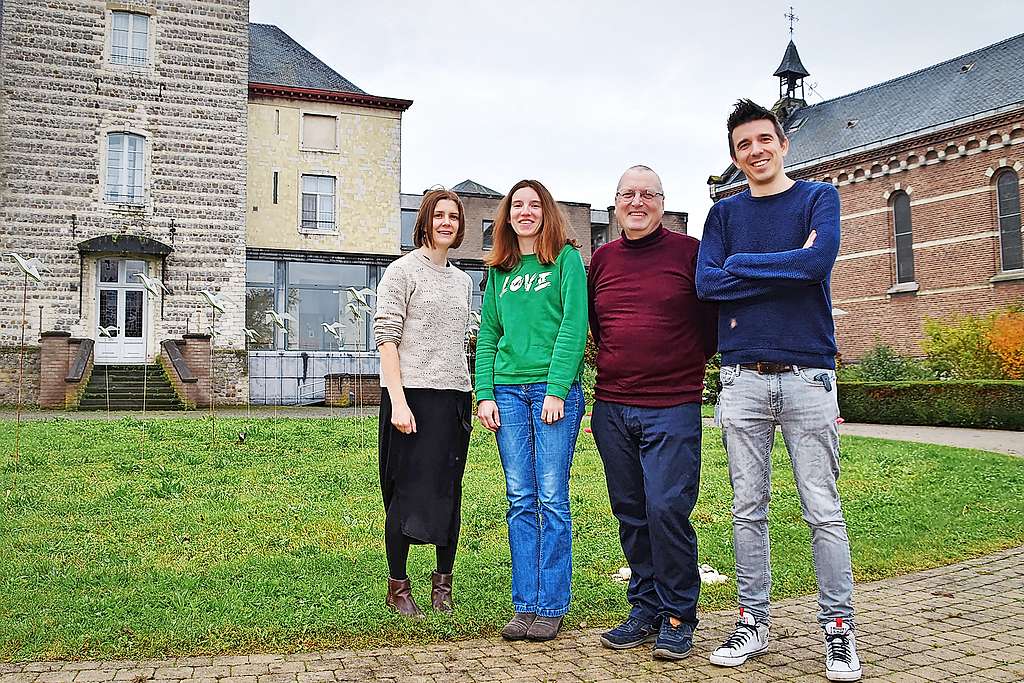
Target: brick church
[[929, 169]]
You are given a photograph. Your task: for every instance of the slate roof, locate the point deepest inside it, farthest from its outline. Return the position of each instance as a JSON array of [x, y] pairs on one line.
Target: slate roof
[[791, 64], [981, 81], [473, 187], [276, 59]]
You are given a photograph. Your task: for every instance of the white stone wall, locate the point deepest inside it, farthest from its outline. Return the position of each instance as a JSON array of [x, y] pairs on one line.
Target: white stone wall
[[61, 95]]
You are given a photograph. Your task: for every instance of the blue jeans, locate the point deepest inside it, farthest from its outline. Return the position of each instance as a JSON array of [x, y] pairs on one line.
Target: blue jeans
[[750, 407], [536, 458], [652, 465]]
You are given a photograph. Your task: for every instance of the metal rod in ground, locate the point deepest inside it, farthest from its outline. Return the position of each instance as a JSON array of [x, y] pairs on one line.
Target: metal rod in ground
[[330, 358], [248, 386], [280, 390], [145, 385], [213, 409], [106, 385], [21, 382]]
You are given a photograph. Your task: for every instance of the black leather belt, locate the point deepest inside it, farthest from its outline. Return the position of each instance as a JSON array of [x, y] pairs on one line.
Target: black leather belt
[[763, 368]]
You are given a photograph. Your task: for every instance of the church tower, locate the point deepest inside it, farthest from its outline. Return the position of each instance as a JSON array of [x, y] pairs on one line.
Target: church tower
[[791, 74]]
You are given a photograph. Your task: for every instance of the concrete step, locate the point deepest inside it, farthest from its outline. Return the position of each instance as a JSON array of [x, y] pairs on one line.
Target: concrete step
[[133, 407], [129, 386], [121, 387], [151, 374], [130, 395], [136, 401]]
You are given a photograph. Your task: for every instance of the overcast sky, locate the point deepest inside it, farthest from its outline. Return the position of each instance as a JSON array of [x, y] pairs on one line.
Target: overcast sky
[[573, 92]]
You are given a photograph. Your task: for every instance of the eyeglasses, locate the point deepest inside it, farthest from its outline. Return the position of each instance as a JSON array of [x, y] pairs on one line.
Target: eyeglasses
[[645, 195]]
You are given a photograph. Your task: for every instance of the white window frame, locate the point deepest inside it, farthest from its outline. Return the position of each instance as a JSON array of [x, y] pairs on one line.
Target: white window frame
[[136, 20], [322, 202], [125, 174]]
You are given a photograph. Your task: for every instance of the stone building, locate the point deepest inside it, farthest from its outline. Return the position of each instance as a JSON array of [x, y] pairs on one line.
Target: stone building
[[929, 168], [324, 160], [122, 151]]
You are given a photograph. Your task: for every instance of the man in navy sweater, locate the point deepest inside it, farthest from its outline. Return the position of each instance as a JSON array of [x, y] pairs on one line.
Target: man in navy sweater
[[653, 340], [766, 257]]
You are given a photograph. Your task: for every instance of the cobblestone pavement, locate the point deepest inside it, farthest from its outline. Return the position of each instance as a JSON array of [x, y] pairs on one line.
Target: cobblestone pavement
[[955, 623]]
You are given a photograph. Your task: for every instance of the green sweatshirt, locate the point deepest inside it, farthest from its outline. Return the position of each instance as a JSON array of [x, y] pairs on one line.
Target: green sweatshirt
[[533, 326]]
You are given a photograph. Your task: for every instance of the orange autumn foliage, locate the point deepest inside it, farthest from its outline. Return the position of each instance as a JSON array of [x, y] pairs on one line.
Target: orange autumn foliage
[[1007, 341]]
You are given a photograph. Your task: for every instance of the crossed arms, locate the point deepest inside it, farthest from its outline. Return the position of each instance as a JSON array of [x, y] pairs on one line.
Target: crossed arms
[[730, 277]]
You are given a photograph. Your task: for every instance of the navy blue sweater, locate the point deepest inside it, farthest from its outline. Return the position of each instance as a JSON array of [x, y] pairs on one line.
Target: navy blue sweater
[[774, 298]]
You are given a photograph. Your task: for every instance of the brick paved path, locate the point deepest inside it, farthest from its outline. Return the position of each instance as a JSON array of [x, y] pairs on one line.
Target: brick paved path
[[956, 623]]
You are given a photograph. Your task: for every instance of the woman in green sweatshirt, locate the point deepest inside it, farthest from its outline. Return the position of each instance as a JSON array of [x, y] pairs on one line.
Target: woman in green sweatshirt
[[529, 356]]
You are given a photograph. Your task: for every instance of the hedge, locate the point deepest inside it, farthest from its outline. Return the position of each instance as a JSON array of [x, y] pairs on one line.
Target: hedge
[[992, 404]]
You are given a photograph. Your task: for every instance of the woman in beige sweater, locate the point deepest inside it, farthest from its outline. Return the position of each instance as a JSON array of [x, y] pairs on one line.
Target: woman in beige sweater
[[423, 306]]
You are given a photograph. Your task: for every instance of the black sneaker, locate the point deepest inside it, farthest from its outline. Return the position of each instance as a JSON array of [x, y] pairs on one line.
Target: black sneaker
[[674, 642], [630, 633]]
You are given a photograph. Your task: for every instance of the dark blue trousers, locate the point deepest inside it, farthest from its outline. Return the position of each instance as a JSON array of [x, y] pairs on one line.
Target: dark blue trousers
[[652, 465]]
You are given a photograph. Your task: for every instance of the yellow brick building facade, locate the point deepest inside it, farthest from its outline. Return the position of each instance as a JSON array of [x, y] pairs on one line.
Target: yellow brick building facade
[[363, 159]]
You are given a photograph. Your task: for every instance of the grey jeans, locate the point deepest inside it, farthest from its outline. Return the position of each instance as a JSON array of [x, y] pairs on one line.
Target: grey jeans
[[749, 408]]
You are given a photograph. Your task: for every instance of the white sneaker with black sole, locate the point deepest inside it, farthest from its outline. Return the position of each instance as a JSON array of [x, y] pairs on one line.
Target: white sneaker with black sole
[[841, 661], [748, 640]]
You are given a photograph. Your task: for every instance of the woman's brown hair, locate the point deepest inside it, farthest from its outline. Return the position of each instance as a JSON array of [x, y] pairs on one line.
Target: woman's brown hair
[[423, 232], [551, 237]]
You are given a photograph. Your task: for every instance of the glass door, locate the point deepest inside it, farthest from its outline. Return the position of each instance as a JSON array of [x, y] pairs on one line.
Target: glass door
[[120, 312]]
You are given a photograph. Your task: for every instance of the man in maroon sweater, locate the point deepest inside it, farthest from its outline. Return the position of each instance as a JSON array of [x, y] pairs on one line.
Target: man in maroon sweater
[[653, 340]]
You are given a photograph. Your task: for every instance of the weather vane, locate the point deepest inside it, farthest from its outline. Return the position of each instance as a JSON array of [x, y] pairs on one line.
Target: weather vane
[[793, 18]]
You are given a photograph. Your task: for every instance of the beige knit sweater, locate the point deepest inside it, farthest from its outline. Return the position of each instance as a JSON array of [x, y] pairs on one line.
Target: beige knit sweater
[[424, 309]]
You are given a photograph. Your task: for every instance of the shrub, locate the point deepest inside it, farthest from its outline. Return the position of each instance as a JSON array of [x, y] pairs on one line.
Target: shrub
[[588, 380], [712, 380], [953, 403], [1006, 338], [960, 348], [590, 351], [884, 364]]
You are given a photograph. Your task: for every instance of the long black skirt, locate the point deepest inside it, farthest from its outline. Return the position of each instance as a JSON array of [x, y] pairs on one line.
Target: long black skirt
[[421, 473]]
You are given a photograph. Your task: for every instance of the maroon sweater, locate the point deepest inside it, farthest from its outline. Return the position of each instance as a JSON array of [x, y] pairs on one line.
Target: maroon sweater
[[653, 336]]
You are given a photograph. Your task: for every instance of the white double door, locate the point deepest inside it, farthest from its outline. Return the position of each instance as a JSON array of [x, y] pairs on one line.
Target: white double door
[[121, 310]]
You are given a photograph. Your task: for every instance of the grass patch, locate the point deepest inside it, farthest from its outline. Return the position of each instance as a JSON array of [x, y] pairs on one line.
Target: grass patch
[[125, 539]]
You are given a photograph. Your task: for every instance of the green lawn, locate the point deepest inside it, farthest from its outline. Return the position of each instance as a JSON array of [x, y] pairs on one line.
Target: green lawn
[[275, 544]]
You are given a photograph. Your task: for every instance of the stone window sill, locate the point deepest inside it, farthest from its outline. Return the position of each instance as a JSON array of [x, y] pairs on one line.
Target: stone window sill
[[312, 232], [1007, 276], [128, 209], [903, 288]]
